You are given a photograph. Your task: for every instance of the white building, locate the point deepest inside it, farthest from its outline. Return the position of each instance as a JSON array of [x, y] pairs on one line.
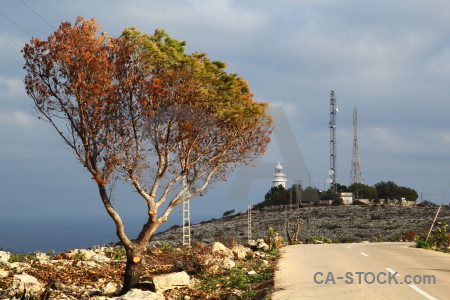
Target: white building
[[279, 177]]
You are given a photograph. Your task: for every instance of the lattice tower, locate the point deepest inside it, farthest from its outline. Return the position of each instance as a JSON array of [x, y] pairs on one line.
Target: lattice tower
[[355, 174], [333, 147]]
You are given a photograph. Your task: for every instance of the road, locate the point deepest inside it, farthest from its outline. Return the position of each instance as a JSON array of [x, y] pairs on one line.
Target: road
[[362, 271]]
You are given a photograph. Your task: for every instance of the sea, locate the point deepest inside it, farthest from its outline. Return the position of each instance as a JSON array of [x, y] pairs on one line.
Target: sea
[[59, 233]]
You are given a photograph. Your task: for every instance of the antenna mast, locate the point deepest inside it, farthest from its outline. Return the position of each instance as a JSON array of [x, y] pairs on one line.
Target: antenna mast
[[355, 174], [333, 149]]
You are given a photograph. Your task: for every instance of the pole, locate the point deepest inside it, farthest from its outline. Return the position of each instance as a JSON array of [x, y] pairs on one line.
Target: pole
[[437, 213]]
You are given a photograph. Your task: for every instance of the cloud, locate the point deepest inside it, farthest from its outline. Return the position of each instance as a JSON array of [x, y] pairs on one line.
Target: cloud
[[11, 86], [424, 143], [14, 119]]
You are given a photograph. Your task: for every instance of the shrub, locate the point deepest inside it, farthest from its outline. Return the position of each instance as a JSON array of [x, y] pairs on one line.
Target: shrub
[[439, 236], [359, 202], [228, 213], [420, 243], [337, 202], [409, 235]]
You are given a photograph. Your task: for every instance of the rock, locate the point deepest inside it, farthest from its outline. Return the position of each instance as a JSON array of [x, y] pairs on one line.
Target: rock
[[3, 273], [252, 272], [99, 258], [27, 282], [88, 264], [4, 257], [213, 264], [264, 263], [19, 267], [240, 252], [42, 258], [135, 294], [259, 244], [90, 293], [170, 281], [221, 247], [82, 254], [111, 288]]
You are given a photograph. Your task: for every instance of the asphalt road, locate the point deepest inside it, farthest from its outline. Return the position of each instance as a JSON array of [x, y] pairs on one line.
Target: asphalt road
[[362, 271]]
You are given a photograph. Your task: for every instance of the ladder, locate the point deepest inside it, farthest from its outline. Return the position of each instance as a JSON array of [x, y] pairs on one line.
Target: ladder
[[186, 223]]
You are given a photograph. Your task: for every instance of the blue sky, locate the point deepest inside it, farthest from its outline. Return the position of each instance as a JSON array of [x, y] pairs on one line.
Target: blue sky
[[390, 59]]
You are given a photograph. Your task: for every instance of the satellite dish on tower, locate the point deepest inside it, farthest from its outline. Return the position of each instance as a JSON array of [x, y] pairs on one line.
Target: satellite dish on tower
[[329, 180], [330, 172]]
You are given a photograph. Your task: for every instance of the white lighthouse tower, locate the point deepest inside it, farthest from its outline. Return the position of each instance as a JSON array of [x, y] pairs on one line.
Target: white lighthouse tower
[[279, 177]]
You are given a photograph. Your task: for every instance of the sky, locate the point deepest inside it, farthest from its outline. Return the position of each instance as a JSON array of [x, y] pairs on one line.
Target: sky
[[389, 59]]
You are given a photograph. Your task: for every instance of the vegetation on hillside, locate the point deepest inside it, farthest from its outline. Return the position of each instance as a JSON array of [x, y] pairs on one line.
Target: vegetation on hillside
[[378, 193]]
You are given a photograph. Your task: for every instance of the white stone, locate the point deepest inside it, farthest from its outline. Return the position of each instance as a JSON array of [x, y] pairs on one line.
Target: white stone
[[86, 254], [89, 264], [135, 294], [252, 272], [240, 252], [41, 258], [111, 288], [26, 282], [99, 258], [217, 247], [3, 273], [170, 281], [4, 256], [224, 263], [19, 267]]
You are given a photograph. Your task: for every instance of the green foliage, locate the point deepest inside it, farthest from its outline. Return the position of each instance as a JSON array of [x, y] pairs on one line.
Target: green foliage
[[362, 191], [329, 195], [438, 239], [166, 247], [228, 213], [420, 243], [119, 253], [249, 255], [78, 255], [390, 191], [274, 240], [22, 257]]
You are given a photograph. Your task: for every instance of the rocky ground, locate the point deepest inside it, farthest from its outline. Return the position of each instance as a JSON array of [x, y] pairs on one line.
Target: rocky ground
[[351, 223], [198, 272], [208, 270]]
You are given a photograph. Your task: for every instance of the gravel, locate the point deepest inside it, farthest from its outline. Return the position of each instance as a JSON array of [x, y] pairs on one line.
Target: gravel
[[352, 223]]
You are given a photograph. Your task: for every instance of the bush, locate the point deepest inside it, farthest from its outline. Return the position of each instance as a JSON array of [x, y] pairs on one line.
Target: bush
[[228, 213], [409, 235], [359, 202], [420, 243], [337, 202]]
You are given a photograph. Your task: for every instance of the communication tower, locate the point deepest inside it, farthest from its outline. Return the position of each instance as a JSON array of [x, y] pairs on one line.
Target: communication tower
[[355, 174], [333, 149]]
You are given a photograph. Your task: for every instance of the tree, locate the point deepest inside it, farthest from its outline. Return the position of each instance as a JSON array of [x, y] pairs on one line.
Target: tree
[[138, 109], [277, 195], [407, 193], [386, 190], [362, 191]]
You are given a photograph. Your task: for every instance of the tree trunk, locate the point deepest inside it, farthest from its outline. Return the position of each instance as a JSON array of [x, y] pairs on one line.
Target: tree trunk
[[133, 269]]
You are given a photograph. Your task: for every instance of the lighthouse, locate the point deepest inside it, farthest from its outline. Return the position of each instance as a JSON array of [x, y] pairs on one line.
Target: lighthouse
[[279, 177]]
